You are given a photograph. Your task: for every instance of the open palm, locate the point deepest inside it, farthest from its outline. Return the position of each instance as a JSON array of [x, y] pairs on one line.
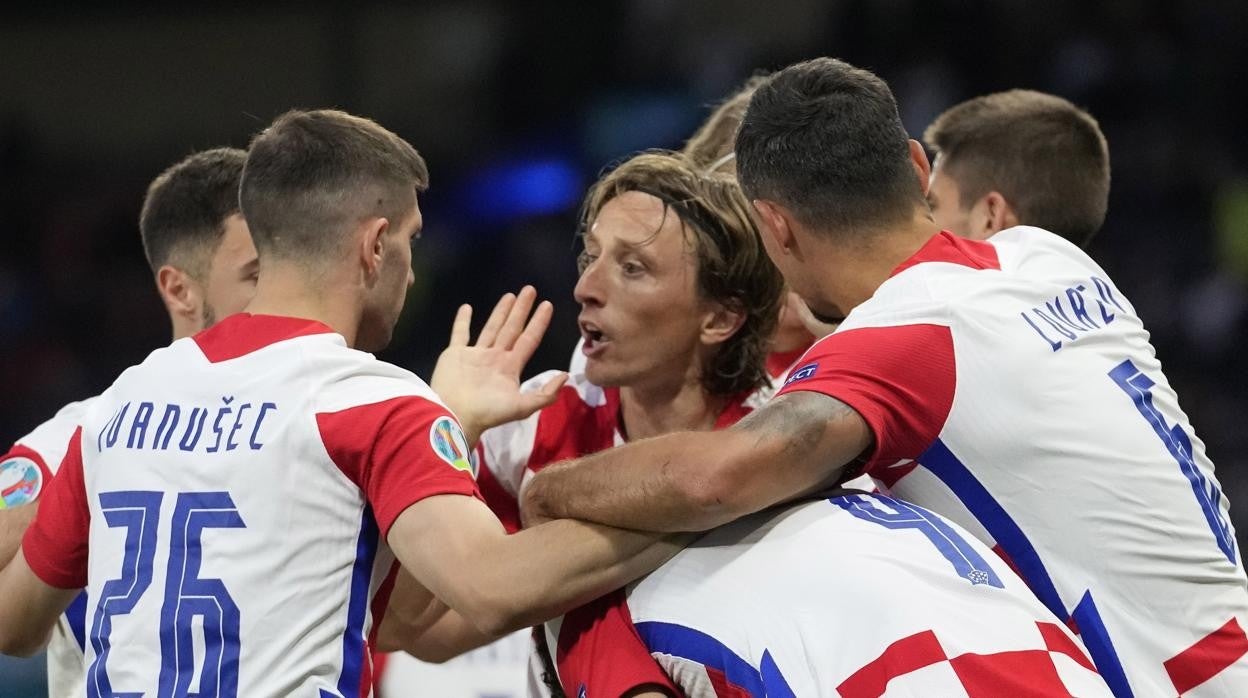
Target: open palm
[[480, 382]]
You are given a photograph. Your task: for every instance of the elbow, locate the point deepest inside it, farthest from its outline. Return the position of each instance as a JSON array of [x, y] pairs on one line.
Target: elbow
[[493, 609], [19, 644], [496, 618]]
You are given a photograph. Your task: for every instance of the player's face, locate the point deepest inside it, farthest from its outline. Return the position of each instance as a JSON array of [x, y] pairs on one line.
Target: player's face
[[945, 199], [640, 310], [232, 273], [394, 278]]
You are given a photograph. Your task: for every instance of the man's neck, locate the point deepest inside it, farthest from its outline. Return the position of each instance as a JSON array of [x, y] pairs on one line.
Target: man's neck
[[289, 291], [652, 411], [860, 269]]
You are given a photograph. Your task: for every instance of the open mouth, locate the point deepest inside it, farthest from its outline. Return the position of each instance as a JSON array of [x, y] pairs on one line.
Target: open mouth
[[595, 340]]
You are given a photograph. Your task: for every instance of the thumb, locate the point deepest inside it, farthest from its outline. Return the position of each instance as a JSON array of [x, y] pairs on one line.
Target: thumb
[[544, 396]]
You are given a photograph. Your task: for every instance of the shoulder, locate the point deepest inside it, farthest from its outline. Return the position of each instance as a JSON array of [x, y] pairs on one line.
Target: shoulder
[[61, 426], [354, 379]]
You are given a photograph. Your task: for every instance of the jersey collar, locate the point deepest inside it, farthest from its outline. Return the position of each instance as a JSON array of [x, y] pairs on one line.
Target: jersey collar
[[243, 333], [947, 247]]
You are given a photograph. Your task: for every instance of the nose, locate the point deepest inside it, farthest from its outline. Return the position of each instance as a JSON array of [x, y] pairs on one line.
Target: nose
[[588, 290], [411, 277]]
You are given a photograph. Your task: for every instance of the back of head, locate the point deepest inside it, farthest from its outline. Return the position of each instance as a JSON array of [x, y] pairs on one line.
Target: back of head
[[714, 141], [732, 267], [313, 175], [184, 212], [1047, 157], [824, 139]]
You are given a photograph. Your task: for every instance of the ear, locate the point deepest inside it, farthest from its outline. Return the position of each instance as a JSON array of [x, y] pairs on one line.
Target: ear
[[922, 167], [180, 293], [1000, 215], [720, 323], [371, 241], [775, 225]]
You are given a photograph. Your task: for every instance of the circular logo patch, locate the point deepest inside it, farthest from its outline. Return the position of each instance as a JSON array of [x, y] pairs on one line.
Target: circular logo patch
[[21, 480], [449, 443]]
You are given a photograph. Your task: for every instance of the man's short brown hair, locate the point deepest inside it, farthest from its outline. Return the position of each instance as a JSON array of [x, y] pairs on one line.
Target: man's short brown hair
[[716, 138], [733, 268], [311, 175], [184, 211], [824, 139], [1046, 156]]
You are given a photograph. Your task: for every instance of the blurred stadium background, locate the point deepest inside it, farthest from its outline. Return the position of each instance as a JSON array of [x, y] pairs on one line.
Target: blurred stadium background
[[517, 106]]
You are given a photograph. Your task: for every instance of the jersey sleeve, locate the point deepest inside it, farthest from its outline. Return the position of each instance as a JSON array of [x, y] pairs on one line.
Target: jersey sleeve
[[900, 379], [55, 545], [600, 653], [398, 452]]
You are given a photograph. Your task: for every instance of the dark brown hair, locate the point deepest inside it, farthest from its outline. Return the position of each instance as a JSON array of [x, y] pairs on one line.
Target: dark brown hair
[[824, 139], [184, 211], [733, 268], [311, 175], [1046, 156]]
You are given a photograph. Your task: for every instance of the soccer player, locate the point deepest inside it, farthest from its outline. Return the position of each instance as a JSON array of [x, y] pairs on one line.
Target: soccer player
[[1008, 385], [245, 491], [895, 601], [710, 149], [1018, 158], [205, 266]]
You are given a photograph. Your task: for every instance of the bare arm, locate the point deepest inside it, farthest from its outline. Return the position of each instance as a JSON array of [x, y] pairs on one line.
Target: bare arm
[[28, 608], [418, 623], [13, 525], [454, 546], [694, 481]]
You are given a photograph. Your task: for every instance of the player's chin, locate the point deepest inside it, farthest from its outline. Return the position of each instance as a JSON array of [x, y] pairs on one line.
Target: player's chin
[[602, 374]]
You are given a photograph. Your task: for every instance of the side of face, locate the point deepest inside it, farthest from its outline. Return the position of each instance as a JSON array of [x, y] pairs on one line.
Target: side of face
[[390, 276], [981, 220], [799, 256], [233, 269], [641, 315]]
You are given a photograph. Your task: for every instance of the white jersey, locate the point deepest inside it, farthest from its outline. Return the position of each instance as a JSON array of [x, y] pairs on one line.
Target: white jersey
[[1011, 387], [24, 471], [856, 595], [234, 491]]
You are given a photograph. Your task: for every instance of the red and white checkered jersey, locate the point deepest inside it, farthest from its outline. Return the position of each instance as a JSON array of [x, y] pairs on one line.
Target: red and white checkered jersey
[[584, 419], [35, 458], [853, 596], [235, 491], [1011, 387]]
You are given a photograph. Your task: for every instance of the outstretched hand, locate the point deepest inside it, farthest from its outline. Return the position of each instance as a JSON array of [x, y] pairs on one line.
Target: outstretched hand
[[481, 382]]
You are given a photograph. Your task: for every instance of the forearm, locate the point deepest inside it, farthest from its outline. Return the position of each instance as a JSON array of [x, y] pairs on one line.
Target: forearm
[[418, 623], [650, 485], [28, 609], [13, 525], [542, 572], [694, 481]]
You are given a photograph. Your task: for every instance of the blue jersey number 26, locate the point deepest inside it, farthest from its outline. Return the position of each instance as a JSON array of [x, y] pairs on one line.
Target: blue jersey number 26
[[187, 596]]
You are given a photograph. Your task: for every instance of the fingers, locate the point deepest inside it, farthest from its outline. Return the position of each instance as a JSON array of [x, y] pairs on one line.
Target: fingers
[[542, 397], [514, 324], [494, 323], [813, 325], [460, 326], [529, 340]]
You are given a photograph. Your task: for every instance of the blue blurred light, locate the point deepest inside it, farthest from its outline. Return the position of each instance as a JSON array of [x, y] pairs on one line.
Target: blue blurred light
[[531, 187]]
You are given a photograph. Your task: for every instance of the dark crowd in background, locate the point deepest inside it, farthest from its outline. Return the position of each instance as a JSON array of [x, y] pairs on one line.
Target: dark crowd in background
[[517, 106]]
